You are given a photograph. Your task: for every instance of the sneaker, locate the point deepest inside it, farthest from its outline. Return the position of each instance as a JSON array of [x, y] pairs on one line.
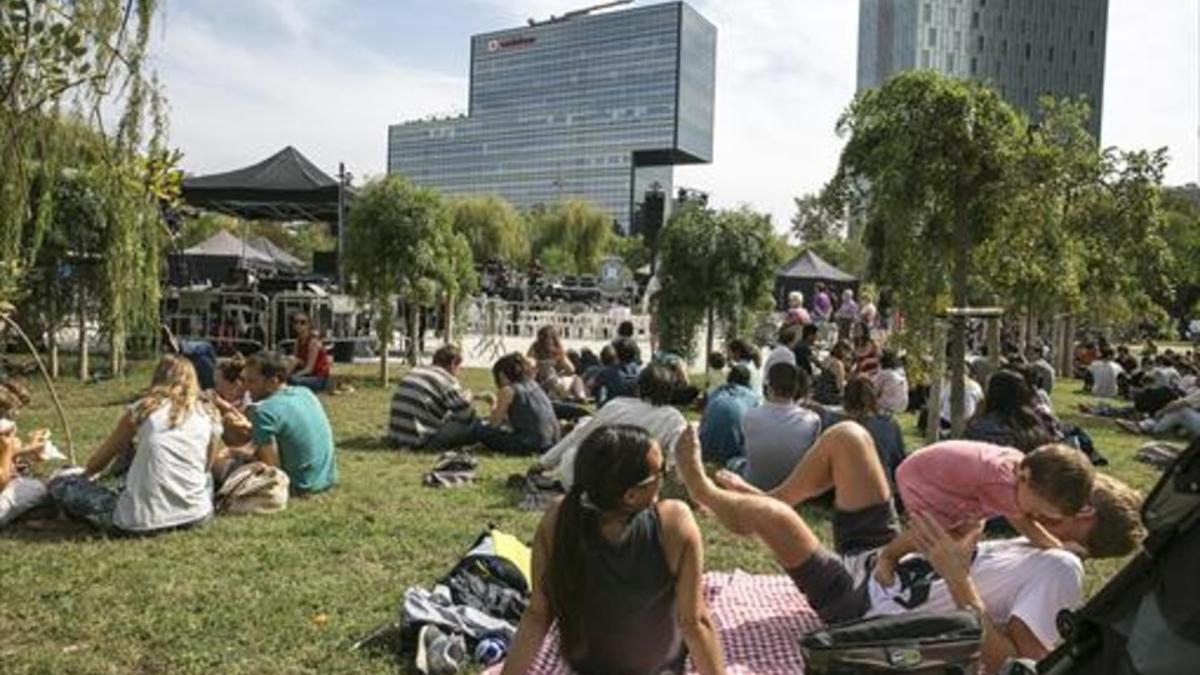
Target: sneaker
[[439, 653]]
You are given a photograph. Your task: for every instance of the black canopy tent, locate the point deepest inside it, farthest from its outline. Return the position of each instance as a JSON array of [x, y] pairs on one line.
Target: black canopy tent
[[802, 274], [284, 186]]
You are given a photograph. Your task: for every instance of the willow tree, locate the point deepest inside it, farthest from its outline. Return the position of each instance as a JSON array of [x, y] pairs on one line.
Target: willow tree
[[400, 243], [929, 164], [713, 264], [571, 237], [492, 228], [68, 63]]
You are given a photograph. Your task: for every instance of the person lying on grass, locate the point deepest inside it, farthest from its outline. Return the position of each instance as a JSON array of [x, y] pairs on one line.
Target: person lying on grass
[[1016, 588], [618, 570], [167, 440]]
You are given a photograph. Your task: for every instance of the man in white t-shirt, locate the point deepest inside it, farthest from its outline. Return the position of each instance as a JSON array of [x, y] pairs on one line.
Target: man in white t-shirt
[[972, 397], [651, 411], [1016, 589], [1106, 374], [785, 351]]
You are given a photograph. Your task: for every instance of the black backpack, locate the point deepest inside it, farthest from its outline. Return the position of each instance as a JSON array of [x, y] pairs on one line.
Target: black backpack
[[950, 643], [1146, 619]]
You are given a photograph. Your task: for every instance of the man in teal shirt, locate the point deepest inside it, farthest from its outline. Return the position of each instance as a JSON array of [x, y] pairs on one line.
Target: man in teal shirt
[[721, 427], [291, 430]]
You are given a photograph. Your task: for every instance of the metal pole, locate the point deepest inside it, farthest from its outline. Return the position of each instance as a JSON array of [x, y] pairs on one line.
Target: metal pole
[[341, 223]]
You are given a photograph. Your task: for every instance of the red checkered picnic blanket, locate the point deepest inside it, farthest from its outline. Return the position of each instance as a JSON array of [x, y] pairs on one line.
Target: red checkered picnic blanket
[[759, 619]]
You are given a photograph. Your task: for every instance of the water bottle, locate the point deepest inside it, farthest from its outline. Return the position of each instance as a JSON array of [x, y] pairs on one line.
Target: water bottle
[[490, 650]]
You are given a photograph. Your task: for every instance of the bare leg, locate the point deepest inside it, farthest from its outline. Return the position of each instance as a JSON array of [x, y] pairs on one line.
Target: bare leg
[[843, 458], [776, 524], [8, 449]]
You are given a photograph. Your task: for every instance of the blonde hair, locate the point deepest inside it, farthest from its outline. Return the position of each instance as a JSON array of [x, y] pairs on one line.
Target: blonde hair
[[175, 383]]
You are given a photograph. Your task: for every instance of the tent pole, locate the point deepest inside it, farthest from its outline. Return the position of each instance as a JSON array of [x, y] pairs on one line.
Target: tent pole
[[341, 221]]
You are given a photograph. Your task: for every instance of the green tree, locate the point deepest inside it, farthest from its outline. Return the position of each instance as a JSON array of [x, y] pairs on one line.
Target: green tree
[[492, 227], [86, 56], [400, 243], [929, 164], [713, 265], [572, 236]]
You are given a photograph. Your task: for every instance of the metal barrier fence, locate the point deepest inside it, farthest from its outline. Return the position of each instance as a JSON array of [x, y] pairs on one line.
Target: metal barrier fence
[[244, 321]]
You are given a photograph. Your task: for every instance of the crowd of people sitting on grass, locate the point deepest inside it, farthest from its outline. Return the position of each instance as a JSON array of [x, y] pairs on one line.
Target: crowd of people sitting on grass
[[617, 569], [179, 452], [1153, 393]]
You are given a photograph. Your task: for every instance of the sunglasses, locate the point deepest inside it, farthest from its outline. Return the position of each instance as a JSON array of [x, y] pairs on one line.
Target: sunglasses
[[299, 322], [660, 475]]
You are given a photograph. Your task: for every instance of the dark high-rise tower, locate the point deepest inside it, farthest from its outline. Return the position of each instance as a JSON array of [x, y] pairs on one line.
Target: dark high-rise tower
[[1024, 48]]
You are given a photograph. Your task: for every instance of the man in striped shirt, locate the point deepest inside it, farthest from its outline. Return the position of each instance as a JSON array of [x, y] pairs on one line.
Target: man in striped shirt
[[430, 409]]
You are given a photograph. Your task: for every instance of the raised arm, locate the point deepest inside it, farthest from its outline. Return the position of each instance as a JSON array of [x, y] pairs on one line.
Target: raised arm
[[119, 439]]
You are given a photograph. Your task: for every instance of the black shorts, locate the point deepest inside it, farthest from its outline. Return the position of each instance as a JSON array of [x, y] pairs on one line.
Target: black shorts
[[836, 585]]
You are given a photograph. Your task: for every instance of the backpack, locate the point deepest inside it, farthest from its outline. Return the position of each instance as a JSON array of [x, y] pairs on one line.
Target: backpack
[[253, 488], [950, 643], [493, 576]]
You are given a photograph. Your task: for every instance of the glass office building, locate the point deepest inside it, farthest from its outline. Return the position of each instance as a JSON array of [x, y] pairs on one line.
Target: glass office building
[[1024, 48], [596, 107]]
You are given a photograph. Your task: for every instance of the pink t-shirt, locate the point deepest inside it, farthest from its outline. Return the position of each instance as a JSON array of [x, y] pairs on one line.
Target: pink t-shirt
[[957, 482]]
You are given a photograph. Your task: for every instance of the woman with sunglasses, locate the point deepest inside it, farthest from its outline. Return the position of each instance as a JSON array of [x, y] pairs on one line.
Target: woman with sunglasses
[[313, 363], [618, 570]]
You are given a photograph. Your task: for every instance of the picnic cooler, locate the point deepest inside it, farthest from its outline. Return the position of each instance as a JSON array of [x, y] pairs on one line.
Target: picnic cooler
[[1146, 619], [949, 643]]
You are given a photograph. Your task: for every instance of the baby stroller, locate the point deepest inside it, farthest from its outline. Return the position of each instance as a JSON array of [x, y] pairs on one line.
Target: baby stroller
[[1146, 620]]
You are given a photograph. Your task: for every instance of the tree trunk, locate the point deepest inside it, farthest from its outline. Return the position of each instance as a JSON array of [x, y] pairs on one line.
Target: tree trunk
[[84, 366], [385, 338], [116, 347], [449, 313], [958, 350], [993, 344], [52, 348], [708, 346], [414, 322], [933, 407]]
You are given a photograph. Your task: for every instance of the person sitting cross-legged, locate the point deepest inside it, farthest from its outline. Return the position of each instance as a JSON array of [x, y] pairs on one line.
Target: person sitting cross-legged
[[173, 436], [618, 570], [290, 428], [779, 432], [1016, 589], [522, 421], [430, 409], [721, 425], [620, 378]]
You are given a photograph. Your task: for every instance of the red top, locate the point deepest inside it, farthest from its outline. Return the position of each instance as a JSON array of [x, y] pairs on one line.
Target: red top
[[323, 364]]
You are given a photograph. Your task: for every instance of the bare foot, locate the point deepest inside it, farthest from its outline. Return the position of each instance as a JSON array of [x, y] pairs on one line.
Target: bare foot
[[689, 466], [734, 482]]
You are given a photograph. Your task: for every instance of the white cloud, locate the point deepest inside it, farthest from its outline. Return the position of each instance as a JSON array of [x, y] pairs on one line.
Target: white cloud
[[785, 71], [233, 102]]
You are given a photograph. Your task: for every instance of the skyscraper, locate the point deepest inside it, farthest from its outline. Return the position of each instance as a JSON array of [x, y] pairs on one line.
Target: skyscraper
[[586, 106], [1024, 48]]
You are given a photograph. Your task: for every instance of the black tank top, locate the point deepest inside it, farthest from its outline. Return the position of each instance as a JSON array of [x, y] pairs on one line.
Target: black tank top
[[531, 415], [629, 617]]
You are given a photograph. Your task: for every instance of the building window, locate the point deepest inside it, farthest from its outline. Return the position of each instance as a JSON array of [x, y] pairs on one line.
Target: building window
[[953, 16], [1052, 55], [928, 11], [932, 36], [958, 39], [974, 67], [1074, 54], [979, 44], [974, 19], [1004, 46], [924, 58], [1091, 38], [950, 63], [1028, 51]]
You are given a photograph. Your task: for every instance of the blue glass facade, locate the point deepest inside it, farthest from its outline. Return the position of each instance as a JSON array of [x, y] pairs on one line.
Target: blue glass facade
[[592, 107]]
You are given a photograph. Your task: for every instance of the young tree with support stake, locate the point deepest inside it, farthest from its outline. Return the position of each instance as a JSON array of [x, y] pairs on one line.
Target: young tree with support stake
[[929, 163], [400, 243]]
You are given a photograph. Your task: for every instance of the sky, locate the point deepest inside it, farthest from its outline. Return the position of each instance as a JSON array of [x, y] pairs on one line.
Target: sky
[[244, 78]]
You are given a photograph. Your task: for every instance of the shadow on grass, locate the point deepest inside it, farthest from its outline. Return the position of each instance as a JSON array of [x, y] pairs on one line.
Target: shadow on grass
[[49, 531], [367, 443]]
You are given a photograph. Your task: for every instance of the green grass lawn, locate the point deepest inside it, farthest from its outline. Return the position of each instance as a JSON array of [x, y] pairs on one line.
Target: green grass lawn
[[290, 593]]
